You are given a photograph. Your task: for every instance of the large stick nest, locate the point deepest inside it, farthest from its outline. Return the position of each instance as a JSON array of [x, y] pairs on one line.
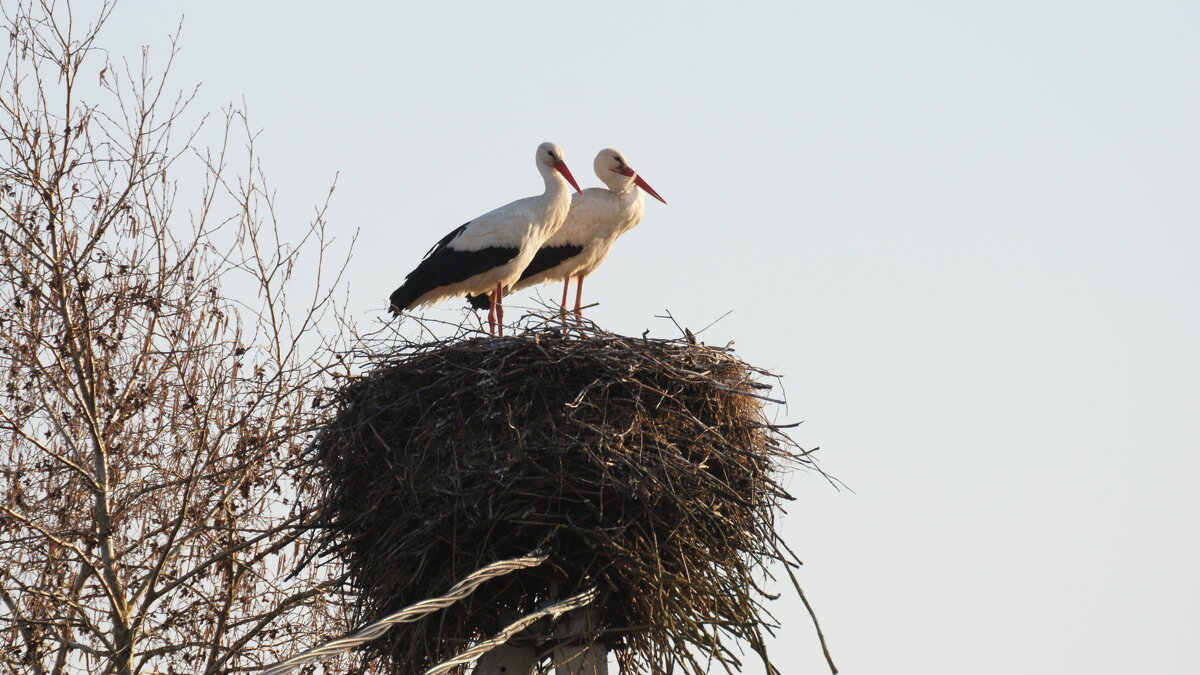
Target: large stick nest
[[643, 467]]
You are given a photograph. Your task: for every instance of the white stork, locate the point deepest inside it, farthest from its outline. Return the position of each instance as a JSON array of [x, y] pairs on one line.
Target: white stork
[[598, 216], [488, 254]]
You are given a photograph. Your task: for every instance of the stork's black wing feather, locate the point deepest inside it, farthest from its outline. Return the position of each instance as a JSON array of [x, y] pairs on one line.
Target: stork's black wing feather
[[546, 258], [549, 256], [443, 266], [444, 241]]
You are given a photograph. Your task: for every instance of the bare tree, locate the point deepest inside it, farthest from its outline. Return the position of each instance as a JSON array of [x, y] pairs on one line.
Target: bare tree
[[160, 374]]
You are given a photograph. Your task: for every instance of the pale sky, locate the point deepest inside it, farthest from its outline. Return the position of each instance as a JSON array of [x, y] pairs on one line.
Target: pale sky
[[965, 233]]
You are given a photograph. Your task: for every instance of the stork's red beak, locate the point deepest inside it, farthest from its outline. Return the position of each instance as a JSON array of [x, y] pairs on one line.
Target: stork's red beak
[[637, 180], [561, 167]]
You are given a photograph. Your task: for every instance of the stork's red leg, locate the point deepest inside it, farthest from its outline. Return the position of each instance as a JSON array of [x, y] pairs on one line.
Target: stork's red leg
[[579, 299], [563, 305], [492, 315], [499, 304]]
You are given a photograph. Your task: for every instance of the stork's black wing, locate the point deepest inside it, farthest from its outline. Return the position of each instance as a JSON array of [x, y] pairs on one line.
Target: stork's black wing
[[444, 265], [546, 258]]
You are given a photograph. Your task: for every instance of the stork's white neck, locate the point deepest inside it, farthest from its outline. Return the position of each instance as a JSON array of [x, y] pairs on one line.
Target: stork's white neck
[[556, 185], [616, 183], [555, 203]]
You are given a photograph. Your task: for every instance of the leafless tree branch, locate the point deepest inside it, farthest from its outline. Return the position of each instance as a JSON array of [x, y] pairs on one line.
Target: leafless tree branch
[[159, 368]]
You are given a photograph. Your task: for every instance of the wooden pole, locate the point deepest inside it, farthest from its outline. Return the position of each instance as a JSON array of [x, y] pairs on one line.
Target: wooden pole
[[578, 653], [507, 660]]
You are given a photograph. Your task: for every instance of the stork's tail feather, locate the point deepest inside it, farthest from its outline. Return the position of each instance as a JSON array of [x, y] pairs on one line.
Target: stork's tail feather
[[481, 301], [401, 298]]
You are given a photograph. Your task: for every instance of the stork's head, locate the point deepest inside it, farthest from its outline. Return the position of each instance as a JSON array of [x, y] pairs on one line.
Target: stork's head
[[552, 156], [611, 167]]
